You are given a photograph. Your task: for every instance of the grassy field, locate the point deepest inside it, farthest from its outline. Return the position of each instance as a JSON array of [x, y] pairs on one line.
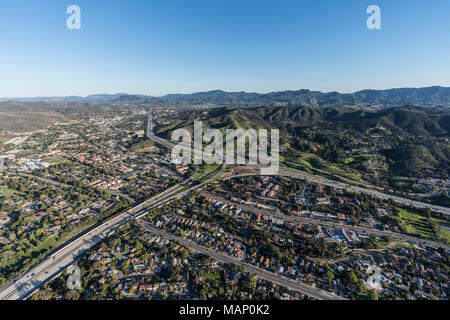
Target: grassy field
[[170, 127], [400, 183], [212, 276], [59, 160], [142, 145], [415, 224], [312, 161], [205, 169], [349, 160], [445, 235]]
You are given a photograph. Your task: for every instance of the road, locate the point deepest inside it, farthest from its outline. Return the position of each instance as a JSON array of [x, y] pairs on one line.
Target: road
[[339, 185], [261, 273], [377, 194], [27, 283], [363, 183], [329, 224]]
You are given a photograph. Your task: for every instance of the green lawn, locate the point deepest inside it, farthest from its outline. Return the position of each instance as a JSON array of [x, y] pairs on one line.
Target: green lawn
[[445, 235], [59, 160], [212, 276], [401, 183], [349, 160], [205, 169], [312, 161], [414, 223]]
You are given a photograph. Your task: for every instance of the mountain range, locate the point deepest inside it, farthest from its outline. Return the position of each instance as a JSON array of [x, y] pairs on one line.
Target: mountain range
[[427, 96], [94, 98], [430, 96]]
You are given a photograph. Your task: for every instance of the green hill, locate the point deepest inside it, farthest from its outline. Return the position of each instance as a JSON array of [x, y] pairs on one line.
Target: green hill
[[403, 120]]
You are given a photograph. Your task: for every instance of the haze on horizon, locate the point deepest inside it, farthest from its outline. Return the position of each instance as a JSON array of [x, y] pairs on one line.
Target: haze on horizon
[[157, 48]]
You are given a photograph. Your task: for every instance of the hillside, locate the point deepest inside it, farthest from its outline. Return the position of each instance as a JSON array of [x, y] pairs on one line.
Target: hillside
[[415, 158], [20, 116], [404, 120], [348, 141], [59, 107], [18, 122]]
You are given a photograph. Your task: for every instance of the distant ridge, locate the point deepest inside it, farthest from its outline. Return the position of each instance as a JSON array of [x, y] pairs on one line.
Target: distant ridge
[[94, 98], [427, 96]]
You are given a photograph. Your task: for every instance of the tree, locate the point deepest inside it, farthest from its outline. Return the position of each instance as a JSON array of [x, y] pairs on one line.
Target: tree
[[351, 277], [139, 246], [330, 276], [362, 289], [72, 295], [373, 295], [251, 282]]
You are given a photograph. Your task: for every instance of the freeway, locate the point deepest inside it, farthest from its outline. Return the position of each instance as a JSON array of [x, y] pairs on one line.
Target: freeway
[[161, 141], [352, 188], [374, 193], [338, 185], [261, 273], [27, 283], [364, 183], [329, 224], [356, 189]]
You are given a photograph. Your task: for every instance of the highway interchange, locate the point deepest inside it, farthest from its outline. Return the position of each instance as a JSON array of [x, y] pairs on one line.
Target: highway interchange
[[27, 283]]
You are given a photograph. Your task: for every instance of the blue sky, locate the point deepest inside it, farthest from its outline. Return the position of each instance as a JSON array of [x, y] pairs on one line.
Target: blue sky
[[157, 47]]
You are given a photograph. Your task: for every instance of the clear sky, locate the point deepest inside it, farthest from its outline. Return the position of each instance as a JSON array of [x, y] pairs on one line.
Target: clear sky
[[157, 47]]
